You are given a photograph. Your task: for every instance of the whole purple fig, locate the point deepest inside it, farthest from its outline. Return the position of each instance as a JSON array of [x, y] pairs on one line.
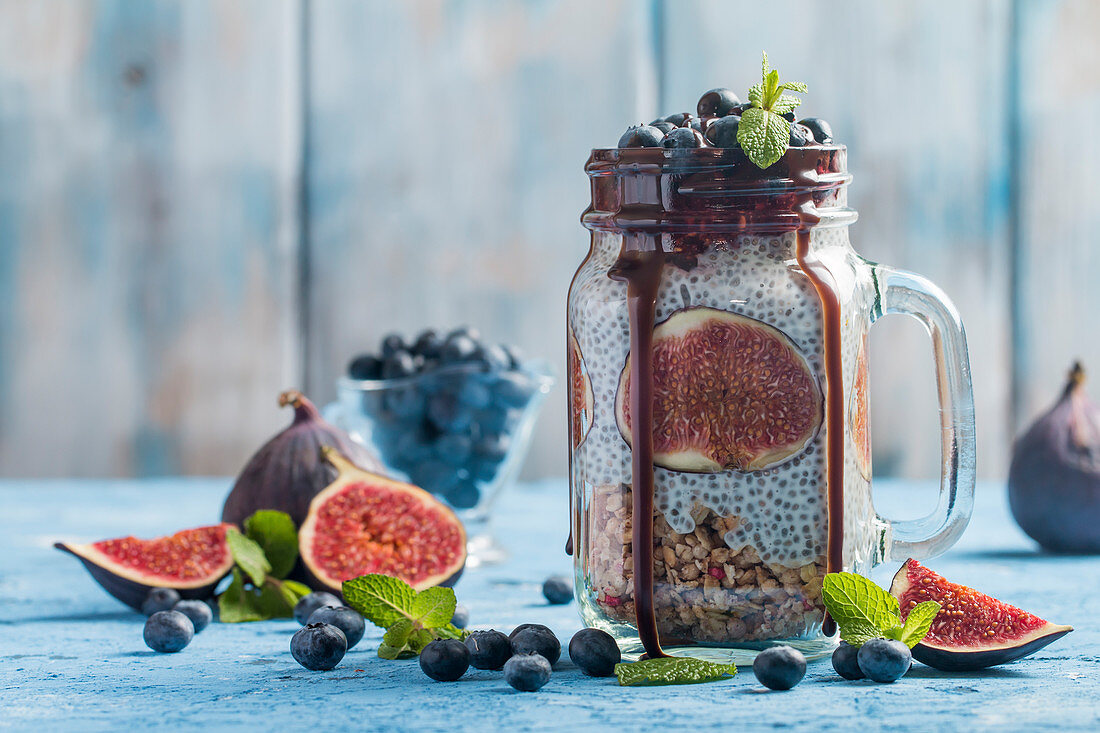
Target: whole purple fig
[[1054, 480], [288, 471]]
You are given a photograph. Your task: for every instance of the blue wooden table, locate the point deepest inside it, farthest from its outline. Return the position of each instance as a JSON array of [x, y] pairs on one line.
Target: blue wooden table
[[72, 657]]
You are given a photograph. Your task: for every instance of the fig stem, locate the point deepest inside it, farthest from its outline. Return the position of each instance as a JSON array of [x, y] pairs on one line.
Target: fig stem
[[303, 408], [1076, 377]]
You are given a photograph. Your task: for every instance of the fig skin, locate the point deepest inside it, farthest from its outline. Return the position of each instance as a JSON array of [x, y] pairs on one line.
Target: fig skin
[[288, 471], [1054, 479]]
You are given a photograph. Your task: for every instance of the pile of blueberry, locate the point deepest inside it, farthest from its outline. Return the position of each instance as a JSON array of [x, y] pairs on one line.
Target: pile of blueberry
[[881, 660], [527, 655], [171, 622], [719, 114], [450, 428]]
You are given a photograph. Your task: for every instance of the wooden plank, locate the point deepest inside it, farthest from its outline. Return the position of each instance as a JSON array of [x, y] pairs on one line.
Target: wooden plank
[[1059, 258], [917, 92], [446, 170], [147, 232]]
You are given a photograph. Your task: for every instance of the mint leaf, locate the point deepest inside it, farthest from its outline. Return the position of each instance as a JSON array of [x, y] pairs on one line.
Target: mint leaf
[[301, 589], [672, 671], [434, 607], [398, 635], [763, 135], [277, 536], [861, 609], [248, 555], [238, 604], [381, 599], [918, 622]]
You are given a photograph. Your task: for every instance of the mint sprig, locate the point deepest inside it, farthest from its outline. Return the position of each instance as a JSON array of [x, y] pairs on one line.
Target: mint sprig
[[411, 619], [864, 611], [672, 671], [763, 132], [264, 555]]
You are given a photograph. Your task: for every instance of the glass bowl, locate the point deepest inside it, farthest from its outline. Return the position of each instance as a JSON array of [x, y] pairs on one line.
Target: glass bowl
[[459, 432]]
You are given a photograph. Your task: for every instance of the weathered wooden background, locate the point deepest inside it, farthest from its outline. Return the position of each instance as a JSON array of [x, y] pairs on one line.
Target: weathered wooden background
[[203, 202]]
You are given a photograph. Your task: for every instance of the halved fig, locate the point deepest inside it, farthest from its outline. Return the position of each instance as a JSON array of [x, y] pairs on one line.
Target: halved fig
[[729, 393], [972, 630], [859, 416], [581, 400], [367, 523], [191, 561]]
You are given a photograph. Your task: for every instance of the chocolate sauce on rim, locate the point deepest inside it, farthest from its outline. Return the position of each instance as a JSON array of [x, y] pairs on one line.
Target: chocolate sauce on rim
[[646, 193]]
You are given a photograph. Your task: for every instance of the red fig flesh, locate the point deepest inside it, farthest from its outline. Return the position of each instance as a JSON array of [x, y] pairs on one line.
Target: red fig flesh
[[366, 523], [287, 472], [191, 561], [972, 630], [1054, 479]]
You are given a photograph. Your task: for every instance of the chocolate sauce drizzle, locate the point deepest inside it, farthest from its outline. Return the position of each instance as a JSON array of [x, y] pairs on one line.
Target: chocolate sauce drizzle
[[643, 193]]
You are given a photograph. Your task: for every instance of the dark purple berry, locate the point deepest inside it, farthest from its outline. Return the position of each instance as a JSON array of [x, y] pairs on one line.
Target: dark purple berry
[[595, 652], [779, 667], [683, 137], [391, 344], [800, 136], [845, 662], [445, 660], [318, 646], [723, 132], [488, 649], [365, 366], [822, 131], [717, 103], [641, 136]]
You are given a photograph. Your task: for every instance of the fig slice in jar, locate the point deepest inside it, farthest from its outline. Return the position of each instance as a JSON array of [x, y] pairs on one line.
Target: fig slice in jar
[[581, 400], [859, 417], [729, 393]]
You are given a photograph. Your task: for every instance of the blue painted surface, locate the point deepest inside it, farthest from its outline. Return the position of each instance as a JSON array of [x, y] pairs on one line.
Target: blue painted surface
[[72, 658]]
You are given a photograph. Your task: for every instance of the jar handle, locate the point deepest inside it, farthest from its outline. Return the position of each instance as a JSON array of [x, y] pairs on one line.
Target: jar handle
[[906, 293]]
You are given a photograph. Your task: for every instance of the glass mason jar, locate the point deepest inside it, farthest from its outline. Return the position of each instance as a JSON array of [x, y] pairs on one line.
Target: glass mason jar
[[743, 438]]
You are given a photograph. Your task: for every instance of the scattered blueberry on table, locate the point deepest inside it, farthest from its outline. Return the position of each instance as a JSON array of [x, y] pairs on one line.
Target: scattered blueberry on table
[[461, 617], [318, 647], [527, 672], [168, 631], [558, 590], [595, 652], [884, 660], [488, 649], [160, 599], [536, 639], [343, 618], [845, 662], [308, 604], [779, 667], [445, 660], [198, 611]]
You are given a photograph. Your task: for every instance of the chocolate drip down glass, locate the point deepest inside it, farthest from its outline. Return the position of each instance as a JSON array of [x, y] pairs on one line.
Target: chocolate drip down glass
[[717, 340]]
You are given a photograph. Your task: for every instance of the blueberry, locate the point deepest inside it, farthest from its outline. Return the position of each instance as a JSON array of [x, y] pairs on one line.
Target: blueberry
[[683, 137], [482, 469], [428, 345], [723, 132], [404, 401], [697, 124], [527, 672], [160, 599], [845, 662], [497, 419], [496, 358], [717, 103], [447, 413], [391, 344], [458, 349], [788, 116], [318, 646], [822, 131], [168, 631], [558, 590], [595, 652], [308, 604], [445, 660], [365, 366], [433, 475], [679, 118], [463, 494], [411, 446], [398, 364], [475, 393], [779, 667], [524, 627], [453, 448], [884, 660], [492, 447], [198, 611], [461, 617], [468, 331], [537, 640], [488, 649], [515, 353], [663, 126], [513, 390], [641, 136], [343, 618], [800, 136]]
